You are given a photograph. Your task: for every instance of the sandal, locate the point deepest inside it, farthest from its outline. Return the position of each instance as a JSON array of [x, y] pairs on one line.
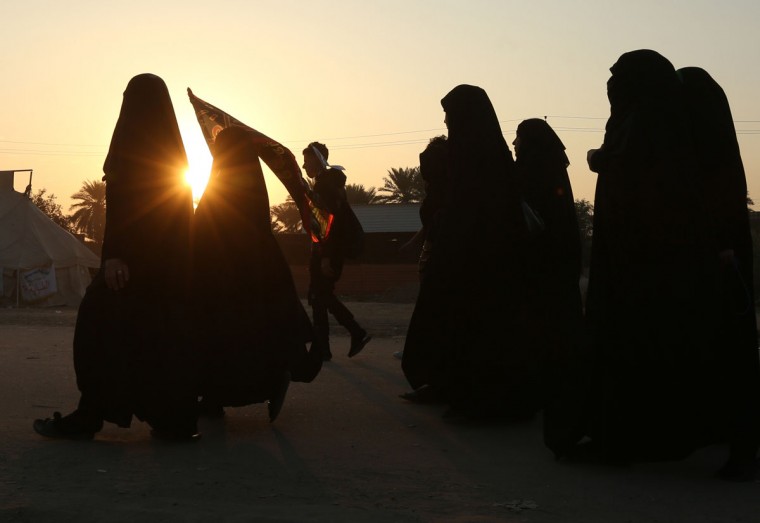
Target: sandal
[[59, 427]]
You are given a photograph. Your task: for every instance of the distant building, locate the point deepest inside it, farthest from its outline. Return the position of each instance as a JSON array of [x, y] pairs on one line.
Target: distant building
[[389, 218], [386, 228]]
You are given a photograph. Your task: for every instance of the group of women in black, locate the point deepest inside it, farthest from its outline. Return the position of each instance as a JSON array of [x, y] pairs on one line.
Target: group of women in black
[[661, 361], [144, 344], [663, 358]]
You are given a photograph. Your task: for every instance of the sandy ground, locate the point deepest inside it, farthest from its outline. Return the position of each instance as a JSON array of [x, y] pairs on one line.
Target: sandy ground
[[345, 448]]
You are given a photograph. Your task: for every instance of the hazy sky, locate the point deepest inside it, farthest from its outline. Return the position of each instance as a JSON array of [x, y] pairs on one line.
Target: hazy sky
[[364, 77]]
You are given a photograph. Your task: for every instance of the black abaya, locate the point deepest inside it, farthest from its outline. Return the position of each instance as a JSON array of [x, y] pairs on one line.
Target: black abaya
[[722, 179], [251, 325], [131, 347], [471, 293], [652, 283]]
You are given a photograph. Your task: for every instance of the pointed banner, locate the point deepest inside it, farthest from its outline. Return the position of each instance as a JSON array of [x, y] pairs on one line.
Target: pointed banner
[[277, 157]]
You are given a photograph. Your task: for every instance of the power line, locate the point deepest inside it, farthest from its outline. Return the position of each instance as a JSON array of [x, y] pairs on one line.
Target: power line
[[578, 117], [33, 152], [54, 144], [361, 145]]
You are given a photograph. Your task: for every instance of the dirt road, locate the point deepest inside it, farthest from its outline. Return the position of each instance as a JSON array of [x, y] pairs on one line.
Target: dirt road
[[345, 448]]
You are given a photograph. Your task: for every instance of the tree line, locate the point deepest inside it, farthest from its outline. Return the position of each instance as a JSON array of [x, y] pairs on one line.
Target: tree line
[[402, 185], [88, 212]]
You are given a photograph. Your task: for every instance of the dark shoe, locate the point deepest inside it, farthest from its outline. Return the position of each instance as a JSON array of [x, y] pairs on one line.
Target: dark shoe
[[73, 426], [210, 410], [174, 436], [274, 405], [358, 341]]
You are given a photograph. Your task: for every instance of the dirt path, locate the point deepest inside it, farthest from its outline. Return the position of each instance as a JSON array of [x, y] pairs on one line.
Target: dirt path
[[345, 448]]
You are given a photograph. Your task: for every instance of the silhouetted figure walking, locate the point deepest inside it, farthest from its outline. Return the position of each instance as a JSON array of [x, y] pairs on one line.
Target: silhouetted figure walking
[[554, 269], [328, 256], [736, 387], [471, 295], [421, 342], [651, 308], [132, 350], [251, 326]]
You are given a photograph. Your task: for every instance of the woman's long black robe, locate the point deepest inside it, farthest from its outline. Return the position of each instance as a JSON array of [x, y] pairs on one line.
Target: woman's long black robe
[[251, 325], [724, 185], [651, 307], [470, 298], [132, 353], [553, 273]]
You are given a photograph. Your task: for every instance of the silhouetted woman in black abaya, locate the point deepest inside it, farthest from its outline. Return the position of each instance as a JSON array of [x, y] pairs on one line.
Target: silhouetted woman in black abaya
[[553, 273], [651, 307], [251, 326], [481, 367], [422, 346], [132, 352], [736, 385]]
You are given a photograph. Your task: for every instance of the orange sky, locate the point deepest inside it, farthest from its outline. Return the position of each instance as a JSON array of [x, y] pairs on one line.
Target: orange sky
[[365, 78]]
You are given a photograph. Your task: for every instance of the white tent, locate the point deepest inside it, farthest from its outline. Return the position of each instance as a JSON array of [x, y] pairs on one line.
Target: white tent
[[41, 263]]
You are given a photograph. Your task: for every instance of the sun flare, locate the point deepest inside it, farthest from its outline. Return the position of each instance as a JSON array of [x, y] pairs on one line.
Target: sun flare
[[197, 180], [198, 171]]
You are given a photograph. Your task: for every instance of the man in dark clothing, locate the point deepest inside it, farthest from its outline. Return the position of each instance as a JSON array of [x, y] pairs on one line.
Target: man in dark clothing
[[327, 255]]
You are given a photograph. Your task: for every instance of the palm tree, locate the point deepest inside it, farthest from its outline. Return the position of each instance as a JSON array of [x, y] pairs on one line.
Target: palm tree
[[403, 185], [357, 194], [285, 217], [90, 215]]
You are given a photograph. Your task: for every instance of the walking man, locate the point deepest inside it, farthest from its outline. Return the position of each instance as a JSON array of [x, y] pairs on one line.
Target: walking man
[[327, 256]]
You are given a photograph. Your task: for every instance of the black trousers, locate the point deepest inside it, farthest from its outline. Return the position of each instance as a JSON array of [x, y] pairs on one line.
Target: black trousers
[[323, 300]]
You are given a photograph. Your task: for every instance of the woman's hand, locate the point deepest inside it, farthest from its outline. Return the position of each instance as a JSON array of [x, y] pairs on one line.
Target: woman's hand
[[117, 274], [590, 154]]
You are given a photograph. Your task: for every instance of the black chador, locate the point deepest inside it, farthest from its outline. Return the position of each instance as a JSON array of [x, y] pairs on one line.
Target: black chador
[[131, 344], [251, 326]]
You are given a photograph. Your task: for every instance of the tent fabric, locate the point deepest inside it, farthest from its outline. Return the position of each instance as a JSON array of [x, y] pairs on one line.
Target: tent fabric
[[29, 240]]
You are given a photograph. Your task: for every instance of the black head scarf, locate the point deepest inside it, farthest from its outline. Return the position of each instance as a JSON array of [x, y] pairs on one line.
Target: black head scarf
[[477, 148], [710, 115], [644, 94], [434, 161], [149, 205], [236, 161], [722, 177], [483, 197], [638, 76], [237, 191], [542, 171], [146, 133], [537, 137]]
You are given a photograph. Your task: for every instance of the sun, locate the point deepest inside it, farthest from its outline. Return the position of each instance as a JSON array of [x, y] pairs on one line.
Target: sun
[[197, 180], [198, 155], [198, 171]]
